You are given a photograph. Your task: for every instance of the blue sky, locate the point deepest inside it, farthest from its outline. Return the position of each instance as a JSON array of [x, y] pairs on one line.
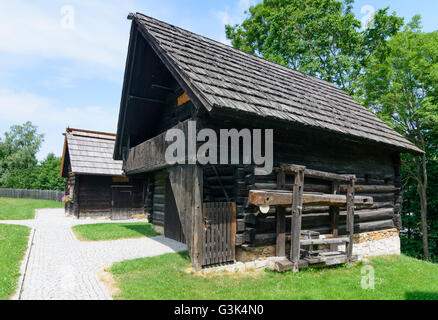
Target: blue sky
[[62, 62]]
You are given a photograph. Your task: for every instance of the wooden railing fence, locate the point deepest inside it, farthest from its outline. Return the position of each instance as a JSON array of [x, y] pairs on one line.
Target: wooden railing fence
[[31, 194]]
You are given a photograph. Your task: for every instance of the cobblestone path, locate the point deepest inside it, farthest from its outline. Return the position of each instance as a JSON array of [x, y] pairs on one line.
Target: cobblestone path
[[61, 267]]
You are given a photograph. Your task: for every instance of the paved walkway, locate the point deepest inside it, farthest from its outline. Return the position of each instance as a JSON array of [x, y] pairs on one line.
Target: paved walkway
[[62, 267]]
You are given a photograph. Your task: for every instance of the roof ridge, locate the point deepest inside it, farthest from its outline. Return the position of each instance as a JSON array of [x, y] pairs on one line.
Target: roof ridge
[[69, 130], [285, 93], [286, 68]]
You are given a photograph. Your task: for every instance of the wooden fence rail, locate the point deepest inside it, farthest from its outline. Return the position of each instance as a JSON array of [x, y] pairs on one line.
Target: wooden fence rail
[[31, 194]]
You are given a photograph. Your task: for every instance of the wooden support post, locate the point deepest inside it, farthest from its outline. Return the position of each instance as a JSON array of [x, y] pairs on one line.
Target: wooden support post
[[197, 223], [281, 219], [297, 208], [350, 218], [334, 216]]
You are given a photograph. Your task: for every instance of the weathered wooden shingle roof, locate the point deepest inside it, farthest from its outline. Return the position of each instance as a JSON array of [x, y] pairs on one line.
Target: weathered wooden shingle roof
[[91, 153], [224, 77]]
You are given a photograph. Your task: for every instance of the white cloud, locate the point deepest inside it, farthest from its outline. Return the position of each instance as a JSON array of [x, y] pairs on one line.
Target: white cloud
[[94, 45], [232, 15], [34, 29], [51, 117], [18, 105], [38, 54]]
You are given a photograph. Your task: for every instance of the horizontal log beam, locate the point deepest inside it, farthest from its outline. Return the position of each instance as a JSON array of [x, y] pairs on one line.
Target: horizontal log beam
[[309, 173], [284, 198], [371, 188], [269, 238], [324, 241], [326, 188], [267, 223], [144, 99]]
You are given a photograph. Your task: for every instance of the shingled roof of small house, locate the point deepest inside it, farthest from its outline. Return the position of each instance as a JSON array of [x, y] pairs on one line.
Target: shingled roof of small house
[[226, 78], [90, 153]]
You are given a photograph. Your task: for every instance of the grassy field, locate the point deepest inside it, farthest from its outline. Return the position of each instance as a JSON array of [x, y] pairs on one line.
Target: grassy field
[[13, 245], [166, 277], [22, 209], [113, 231]]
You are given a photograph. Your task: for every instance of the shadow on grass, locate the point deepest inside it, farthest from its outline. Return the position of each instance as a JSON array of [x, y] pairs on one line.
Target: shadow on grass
[[144, 230], [418, 295], [185, 255]]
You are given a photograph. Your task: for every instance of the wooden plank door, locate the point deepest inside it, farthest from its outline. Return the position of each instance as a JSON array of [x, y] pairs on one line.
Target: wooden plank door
[[219, 219], [121, 203], [172, 224]]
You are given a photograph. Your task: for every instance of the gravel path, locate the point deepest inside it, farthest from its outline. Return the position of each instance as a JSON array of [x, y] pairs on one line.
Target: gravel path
[[61, 267]]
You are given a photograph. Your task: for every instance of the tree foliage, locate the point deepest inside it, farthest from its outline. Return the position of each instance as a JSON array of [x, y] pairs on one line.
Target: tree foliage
[[401, 86], [48, 174], [411, 239], [322, 38], [18, 149], [19, 167], [393, 72]]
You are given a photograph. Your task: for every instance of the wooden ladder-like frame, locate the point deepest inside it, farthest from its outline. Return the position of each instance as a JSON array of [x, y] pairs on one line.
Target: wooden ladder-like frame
[[300, 172]]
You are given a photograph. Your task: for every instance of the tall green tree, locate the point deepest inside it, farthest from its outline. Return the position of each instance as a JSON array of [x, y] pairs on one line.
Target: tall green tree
[[322, 38], [401, 86], [18, 149], [47, 177]]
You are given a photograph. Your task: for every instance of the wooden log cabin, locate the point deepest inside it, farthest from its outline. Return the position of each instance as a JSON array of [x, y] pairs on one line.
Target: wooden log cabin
[[344, 151], [95, 181]]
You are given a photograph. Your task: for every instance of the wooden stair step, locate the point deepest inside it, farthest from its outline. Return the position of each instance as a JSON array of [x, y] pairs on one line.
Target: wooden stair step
[[327, 260], [283, 264]]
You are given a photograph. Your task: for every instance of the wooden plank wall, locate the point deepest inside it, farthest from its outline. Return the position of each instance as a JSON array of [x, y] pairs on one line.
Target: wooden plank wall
[[95, 196], [233, 182], [148, 195], [171, 113], [219, 225], [137, 196], [150, 155], [187, 182], [158, 187]]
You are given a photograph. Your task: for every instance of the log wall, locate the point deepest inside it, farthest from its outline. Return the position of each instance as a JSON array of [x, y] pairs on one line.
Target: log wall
[[159, 190], [376, 168], [94, 196]]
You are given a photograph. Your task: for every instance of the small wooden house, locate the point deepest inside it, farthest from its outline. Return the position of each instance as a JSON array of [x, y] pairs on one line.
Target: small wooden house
[[336, 177], [94, 180]]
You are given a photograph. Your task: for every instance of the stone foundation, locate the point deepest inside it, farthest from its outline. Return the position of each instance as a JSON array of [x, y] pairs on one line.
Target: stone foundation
[[247, 254], [376, 243], [365, 244], [239, 266], [158, 229]]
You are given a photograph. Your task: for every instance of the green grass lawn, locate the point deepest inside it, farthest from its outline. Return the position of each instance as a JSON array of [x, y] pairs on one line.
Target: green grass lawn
[[113, 231], [22, 209], [166, 277], [13, 245]]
